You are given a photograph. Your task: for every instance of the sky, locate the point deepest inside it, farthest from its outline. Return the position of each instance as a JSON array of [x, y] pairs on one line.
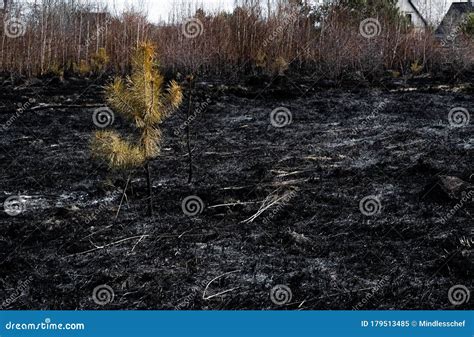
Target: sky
[[160, 9]]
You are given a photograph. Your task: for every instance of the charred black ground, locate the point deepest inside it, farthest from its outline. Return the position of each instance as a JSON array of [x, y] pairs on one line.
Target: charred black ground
[[392, 141]]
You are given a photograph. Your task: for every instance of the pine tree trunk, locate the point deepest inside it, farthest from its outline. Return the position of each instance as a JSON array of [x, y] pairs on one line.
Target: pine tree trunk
[[150, 189]]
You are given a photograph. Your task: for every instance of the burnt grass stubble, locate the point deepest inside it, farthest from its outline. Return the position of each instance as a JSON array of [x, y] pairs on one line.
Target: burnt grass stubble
[[344, 143]]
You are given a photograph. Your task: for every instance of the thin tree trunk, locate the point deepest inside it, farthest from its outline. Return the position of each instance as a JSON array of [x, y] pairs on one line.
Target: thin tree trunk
[[150, 189], [188, 136], [124, 195]]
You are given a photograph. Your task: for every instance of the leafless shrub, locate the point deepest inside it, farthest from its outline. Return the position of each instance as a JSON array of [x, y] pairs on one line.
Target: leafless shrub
[[61, 34]]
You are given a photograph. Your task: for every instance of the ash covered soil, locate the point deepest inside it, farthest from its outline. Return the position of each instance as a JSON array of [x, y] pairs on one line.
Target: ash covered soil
[[393, 143]]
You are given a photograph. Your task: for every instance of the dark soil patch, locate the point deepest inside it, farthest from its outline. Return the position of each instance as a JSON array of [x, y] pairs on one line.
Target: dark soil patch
[[342, 145]]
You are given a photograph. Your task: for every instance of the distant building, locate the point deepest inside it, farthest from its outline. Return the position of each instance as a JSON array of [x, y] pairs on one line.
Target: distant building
[[444, 14], [94, 15], [457, 13], [3, 5], [420, 13], [411, 9]]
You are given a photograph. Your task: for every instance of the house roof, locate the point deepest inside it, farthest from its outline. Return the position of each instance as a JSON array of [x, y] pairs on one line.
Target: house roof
[[418, 12], [454, 17]]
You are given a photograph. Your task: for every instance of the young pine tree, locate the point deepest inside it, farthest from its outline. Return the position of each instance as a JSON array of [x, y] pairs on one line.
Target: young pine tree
[[141, 99]]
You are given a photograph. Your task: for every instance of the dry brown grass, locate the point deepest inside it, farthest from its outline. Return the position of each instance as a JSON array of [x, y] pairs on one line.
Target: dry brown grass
[[59, 36]]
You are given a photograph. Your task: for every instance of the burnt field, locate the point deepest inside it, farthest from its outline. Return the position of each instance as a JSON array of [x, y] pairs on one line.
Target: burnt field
[[362, 199]]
